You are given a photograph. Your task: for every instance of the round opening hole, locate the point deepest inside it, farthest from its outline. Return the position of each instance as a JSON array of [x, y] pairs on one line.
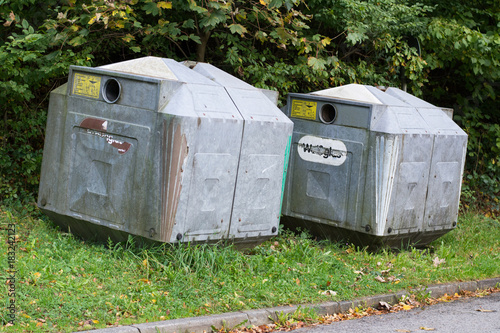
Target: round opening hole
[[328, 114], [112, 91]]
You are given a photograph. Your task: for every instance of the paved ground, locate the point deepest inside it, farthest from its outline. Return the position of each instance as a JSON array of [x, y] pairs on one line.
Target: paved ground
[[461, 316], [442, 317]]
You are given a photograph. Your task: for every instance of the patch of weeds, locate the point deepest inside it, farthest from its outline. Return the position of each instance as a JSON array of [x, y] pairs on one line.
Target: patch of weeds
[[300, 317], [422, 295]]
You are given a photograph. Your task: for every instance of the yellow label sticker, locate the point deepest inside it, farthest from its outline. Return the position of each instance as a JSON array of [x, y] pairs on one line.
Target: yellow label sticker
[[304, 109], [86, 85]]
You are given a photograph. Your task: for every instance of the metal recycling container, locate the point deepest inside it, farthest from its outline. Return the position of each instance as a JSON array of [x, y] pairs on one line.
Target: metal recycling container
[[153, 148], [373, 166]]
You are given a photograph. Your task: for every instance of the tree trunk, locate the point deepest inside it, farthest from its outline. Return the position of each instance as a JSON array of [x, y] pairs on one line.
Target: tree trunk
[[201, 48]]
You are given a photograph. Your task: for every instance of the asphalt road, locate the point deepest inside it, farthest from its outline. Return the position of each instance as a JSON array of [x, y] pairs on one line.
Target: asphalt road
[[474, 315]]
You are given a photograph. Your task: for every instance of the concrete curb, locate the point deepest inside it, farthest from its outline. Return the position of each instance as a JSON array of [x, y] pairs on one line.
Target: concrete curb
[[262, 316]]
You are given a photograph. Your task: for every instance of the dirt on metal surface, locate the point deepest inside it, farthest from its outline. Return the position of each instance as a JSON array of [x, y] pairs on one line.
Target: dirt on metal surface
[[176, 148]]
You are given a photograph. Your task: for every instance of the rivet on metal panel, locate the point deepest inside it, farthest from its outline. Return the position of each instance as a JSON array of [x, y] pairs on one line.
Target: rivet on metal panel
[[152, 232], [389, 230], [179, 237], [273, 230]]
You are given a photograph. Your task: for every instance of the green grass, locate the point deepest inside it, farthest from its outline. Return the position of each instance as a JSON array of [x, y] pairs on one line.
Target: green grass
[[66, 284]]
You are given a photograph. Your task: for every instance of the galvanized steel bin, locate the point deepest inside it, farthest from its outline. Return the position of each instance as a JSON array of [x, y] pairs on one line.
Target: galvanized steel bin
[[152, 148], [373, 166]]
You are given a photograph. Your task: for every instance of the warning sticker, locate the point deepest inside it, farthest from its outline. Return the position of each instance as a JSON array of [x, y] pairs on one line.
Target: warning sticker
[[86, 85], [304, 109]]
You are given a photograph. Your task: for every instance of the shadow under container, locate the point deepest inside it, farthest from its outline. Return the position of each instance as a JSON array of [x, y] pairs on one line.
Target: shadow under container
[[154, 148], [375, 167]]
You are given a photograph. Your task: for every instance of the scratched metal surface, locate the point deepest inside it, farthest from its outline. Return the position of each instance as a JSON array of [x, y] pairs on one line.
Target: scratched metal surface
[[182, 155], [397, 179]]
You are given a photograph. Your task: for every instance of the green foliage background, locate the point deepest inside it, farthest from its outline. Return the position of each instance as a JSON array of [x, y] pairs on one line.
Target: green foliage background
[[285, 45]]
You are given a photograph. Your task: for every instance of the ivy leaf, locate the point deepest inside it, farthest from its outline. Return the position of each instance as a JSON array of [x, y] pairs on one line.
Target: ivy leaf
[[195, 38], [212, 19], [237, 29], [315, 63], [164, 4], [188, 24], [78, 40], [151, 8], [326, 41], [128, 38]]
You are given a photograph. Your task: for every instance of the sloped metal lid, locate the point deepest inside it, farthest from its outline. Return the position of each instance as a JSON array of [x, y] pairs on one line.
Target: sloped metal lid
[[147, 66], [353, 92], [408, 98], [219, 76]]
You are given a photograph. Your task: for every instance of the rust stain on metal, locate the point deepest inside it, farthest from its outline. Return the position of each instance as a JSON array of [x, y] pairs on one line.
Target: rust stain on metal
[[122, 147], [101, 126], [174, 153], [95, 124]]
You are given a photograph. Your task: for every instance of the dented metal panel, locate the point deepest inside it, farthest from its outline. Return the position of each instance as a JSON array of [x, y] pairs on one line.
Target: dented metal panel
[[380, 167], [265, 136]]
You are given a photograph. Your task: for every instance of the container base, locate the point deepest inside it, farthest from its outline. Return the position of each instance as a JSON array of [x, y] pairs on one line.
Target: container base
[[372, 242]]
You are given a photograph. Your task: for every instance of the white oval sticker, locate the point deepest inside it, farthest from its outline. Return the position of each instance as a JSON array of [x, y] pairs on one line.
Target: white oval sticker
[[320, 150]]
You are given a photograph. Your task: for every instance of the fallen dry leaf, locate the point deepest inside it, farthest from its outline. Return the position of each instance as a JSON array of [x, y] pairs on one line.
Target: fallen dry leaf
[[380, 279], [403, 331], [394, 279], [384, 306], [484, 310], [423, 328], [436, 262]]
